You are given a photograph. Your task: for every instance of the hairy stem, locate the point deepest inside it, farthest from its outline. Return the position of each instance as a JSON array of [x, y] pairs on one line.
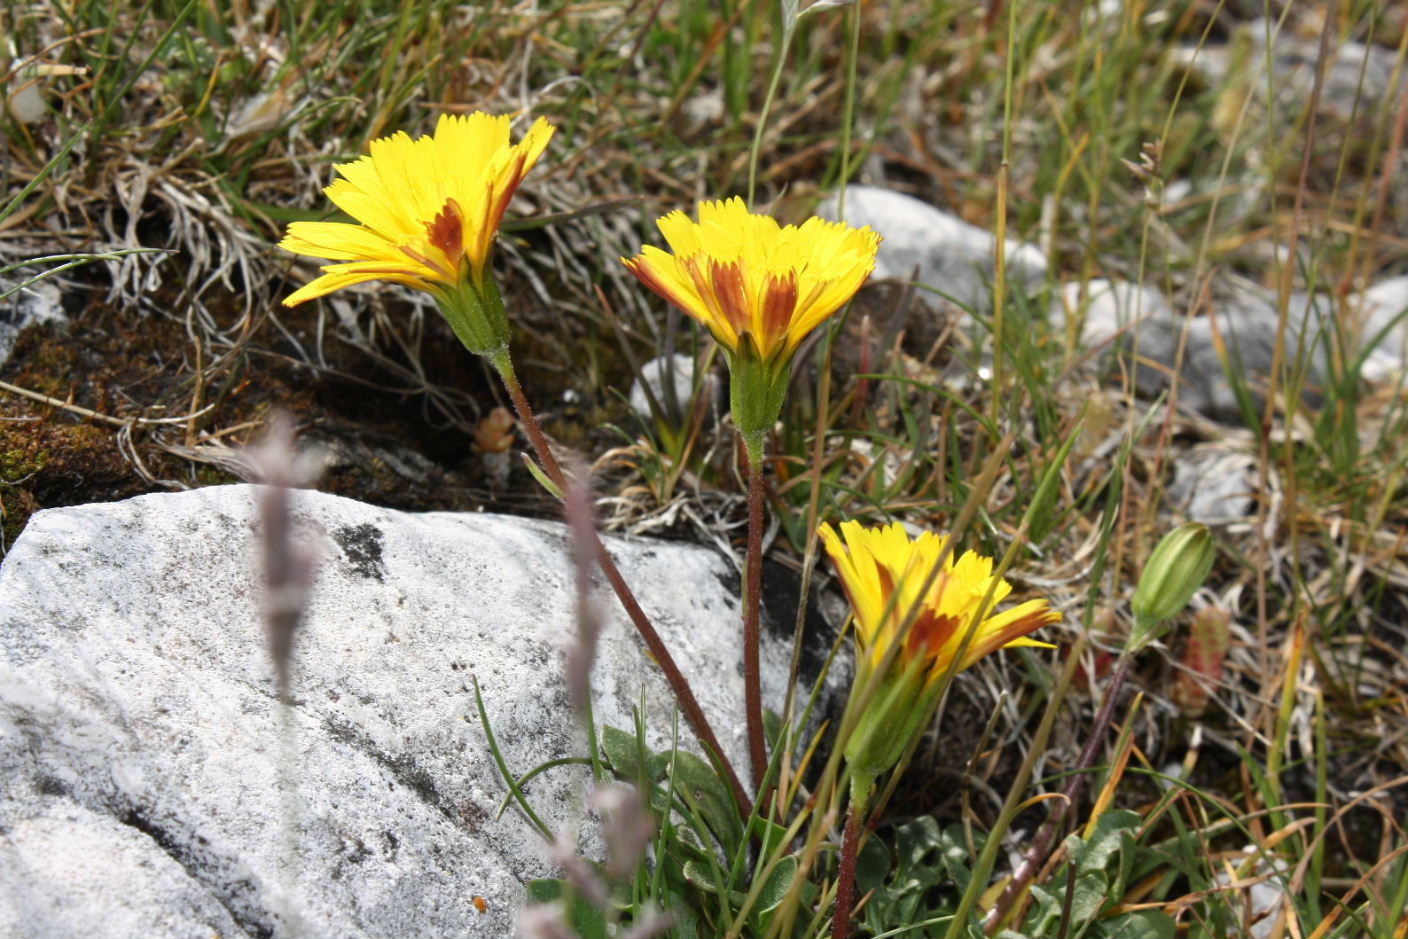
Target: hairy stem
[[752, 602], [678, 684], [846, 876]]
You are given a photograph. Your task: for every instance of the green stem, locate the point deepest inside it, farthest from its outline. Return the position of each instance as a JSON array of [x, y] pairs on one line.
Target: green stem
[[787, 31], [849, 109], [678, 683]]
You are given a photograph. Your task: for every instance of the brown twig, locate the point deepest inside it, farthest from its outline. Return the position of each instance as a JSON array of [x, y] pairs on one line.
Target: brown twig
[[1036, 854], [92, 415], [678, 684]]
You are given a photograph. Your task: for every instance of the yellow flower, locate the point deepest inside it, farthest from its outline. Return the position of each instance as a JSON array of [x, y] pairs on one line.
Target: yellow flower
[[739, 273], [883, 573], [760, 288], [886, 576], [429, 208]]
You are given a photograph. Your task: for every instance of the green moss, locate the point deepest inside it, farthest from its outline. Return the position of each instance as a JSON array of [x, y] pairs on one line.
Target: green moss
[[16, 463], [209, 475]]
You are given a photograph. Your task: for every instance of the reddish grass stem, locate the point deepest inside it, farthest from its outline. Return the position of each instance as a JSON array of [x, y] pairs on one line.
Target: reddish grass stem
[[678, 684], [752, 602], [1036, 854], [846, 876]]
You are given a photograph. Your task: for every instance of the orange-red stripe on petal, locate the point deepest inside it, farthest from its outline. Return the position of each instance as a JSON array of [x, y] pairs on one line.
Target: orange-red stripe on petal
[[726, 281], [750, 274], [437, 199], [778, 304]]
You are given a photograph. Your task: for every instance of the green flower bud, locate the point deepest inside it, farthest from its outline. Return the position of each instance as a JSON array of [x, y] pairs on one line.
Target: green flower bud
[[1174, 572]]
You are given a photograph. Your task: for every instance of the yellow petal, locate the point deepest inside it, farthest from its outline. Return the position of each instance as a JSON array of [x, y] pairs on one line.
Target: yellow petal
[[788, 279], [337, 277], [464, 174], [883, 572], [338, 241]]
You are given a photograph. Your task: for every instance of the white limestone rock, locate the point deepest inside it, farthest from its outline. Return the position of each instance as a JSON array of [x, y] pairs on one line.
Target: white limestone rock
[[670, 381], [1101, 309], [949, 255], [39, 302], [140, 741], [109, 879]]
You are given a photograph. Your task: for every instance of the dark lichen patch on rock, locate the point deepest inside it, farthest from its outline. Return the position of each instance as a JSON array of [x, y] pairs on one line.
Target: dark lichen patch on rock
[[780, 595], [362, 547]]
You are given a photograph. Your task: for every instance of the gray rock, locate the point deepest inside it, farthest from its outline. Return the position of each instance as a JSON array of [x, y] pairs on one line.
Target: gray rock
[[1140, 321], [674, 399], [1244, 324], [1213, 485], [1103, 308], [949, 255], [39, 302], [140, 736], [1204, 386], [1385, 326], [1358, 81]]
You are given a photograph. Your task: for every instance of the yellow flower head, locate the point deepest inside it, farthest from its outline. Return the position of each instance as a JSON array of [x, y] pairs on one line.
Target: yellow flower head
[[429, 208], [884, 572], [739, 273]]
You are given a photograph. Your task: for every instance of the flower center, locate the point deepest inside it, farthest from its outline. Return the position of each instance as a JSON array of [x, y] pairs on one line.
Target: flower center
[[930, 633], [445, 234], [446, 231]]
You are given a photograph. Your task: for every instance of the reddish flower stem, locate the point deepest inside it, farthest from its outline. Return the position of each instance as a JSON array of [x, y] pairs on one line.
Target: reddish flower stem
[[846, 876], [678, 684], [752, 602], [1036, 854]]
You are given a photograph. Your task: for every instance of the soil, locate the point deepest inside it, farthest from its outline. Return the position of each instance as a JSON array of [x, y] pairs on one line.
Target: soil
[[380, 446]]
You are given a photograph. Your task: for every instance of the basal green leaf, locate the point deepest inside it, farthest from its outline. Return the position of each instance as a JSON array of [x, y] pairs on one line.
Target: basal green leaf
[[778, 884], [872, 866], [1140, 924]]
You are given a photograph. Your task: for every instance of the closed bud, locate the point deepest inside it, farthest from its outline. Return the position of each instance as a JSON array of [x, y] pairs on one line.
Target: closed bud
[[1174, 572]]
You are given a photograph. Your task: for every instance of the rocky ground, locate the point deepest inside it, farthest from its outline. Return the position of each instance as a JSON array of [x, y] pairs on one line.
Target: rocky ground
[[140, 732]]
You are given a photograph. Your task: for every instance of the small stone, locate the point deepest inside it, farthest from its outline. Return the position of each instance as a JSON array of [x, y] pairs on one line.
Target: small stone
[[1102, 308], [1213, 485], [1385, 319], [670, 380], [703, 110], [1245, 326], [36, 303], [934, 248]]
